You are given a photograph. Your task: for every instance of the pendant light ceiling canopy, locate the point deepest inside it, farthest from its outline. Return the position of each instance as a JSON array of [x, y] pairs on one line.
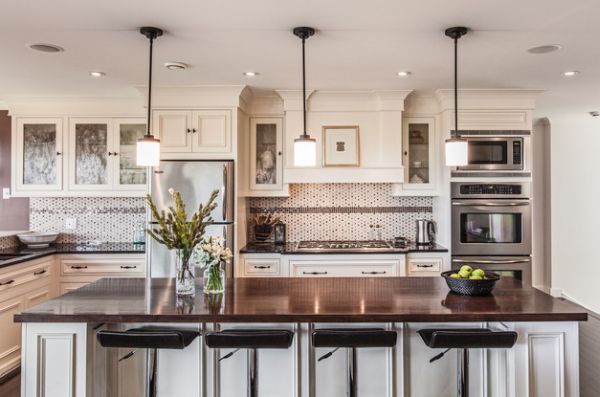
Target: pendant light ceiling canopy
[[148, 147], [305, 147], [456, 147]]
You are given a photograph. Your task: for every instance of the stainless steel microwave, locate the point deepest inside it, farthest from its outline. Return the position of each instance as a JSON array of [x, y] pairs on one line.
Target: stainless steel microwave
[[494, 153]]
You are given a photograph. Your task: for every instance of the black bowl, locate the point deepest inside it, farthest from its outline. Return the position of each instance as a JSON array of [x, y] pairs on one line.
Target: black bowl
[[465, 286]]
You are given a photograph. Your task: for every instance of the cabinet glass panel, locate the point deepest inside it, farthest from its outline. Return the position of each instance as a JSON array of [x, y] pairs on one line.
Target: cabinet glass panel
[[91, 154], [266, 154], [40, 154], [129, 173], [418, 153]]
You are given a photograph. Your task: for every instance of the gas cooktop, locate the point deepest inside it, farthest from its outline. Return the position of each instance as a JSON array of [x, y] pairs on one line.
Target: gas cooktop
[[344, 245]]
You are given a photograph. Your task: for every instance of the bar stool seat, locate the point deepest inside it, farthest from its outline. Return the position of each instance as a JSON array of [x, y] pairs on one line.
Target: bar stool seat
[[151, 338], [251, 339], [465, 339], [352, 338]]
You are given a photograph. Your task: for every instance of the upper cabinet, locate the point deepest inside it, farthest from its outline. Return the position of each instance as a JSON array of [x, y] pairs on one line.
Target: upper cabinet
[[38, 154], [91, 155], [266, 157], [193, 133]]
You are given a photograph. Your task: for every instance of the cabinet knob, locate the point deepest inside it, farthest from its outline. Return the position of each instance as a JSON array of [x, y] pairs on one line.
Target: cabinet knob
[[110, 153], [194, 130], [188, 130], [58, 153], [406, 153], [115, 153], [279, 153]]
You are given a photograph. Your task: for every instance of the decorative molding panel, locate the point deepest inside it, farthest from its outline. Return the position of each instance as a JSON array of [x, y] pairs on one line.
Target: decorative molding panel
[[546, 355], [56, 365]]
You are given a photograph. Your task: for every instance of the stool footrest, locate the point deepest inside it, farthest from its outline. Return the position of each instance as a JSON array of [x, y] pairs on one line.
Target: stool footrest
[[467, 338]]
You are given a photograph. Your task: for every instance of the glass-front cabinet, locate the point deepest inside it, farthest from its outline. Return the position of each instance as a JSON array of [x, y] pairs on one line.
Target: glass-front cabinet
[[90, 154], [39, 153], [266, 157], [128, 175], [419, 157]]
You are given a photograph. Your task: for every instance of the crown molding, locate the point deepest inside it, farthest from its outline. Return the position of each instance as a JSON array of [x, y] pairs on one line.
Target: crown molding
[[345, 101], [230, 96], [472, 99], [76, 106]]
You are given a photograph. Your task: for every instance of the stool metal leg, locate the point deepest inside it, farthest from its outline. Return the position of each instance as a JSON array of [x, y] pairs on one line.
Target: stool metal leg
[[153, 361], [463, 373], [252, 373], [352, 380]]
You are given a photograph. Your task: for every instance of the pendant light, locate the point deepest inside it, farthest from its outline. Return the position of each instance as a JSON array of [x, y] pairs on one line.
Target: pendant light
[[148, 147], [456, 147], [305, 147]]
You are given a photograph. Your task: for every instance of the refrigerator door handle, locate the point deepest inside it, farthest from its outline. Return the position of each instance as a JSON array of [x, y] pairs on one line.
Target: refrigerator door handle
[[225, 188]]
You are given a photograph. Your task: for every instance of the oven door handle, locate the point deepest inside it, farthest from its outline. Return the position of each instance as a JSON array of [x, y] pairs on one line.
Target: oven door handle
[[493, 204], [491, 262]]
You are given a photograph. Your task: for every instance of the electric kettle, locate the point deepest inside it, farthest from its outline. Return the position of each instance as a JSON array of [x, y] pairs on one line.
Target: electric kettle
[[425, 232]]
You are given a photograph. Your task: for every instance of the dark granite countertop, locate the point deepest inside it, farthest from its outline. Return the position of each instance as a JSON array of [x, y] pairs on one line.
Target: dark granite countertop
[[297, 299], [291, 249], [21, 253]]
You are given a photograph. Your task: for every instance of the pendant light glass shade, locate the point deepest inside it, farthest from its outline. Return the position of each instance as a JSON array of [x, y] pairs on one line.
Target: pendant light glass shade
[[148, 151], [305, 147], [456, 152], [148, 147], [305, 152]]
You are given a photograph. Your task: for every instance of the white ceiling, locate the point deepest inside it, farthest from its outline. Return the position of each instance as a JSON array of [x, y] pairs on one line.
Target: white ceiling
[[360, 44]]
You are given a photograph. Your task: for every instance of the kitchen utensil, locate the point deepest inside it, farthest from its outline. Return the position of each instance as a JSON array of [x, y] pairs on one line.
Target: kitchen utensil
[[465, 286], [425, 232], [37, 239]]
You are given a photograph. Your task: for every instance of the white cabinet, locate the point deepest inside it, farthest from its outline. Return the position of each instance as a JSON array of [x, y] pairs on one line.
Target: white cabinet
[[10, 342], [266, 158], [260, 265], [346, 266], [424, 264], [37, 155], [420, 158], [92, 156], [201, 132]]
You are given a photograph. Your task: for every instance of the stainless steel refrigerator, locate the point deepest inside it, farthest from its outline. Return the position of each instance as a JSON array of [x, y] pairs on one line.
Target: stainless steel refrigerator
[[195, 180]]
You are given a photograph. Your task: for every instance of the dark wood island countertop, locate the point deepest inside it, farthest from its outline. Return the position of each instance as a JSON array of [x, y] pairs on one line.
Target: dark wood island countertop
[[394, 299]]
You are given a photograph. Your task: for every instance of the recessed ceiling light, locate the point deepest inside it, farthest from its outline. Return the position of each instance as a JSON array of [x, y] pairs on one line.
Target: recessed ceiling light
[[97, 74], [251, 74], [403, 73], [49, 48], [544, 49], [176, 65], [570, 73]]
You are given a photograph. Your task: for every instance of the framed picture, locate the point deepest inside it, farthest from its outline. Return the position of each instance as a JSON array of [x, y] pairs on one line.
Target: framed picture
[[341, 146]]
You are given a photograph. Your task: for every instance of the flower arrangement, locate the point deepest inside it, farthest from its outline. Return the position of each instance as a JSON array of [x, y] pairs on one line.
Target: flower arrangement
[[178, 232], [263, 226], [212, 252]]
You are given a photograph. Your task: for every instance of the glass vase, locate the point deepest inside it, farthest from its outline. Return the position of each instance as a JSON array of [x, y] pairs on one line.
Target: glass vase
[[214, 278], [184, 274]]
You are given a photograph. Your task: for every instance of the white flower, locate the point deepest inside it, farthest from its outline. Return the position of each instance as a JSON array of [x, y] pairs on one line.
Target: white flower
[[171, 191]]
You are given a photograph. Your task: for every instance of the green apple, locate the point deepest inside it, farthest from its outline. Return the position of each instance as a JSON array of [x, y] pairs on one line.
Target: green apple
[[464, 273], [455, 275], [474, 277], [466, 268], [478, 272]]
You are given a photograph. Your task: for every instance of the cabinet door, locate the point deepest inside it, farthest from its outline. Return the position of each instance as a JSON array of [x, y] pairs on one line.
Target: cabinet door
[[90, 163], [419, 143], [128, 176], [344, 268], [39, 156], [10, 341], [173, 127], [211, 131], [266, 154]]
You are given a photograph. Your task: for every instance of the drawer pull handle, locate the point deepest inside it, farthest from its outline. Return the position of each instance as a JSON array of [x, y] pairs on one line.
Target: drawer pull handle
[[78, 267], [127, 267], [7, 282], [382, 272], [262, 267], [314, 273], [424, 265], [39, 272]]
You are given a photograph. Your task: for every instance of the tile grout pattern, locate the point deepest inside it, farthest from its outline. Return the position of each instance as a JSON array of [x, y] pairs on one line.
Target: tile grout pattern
[[107, 219], [338, 211]]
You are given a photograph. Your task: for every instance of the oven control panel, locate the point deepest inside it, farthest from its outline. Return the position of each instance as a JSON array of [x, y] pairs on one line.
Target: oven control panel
[[490, 190]]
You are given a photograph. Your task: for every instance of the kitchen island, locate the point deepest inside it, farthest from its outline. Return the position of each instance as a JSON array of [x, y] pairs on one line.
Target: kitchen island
[[61, 356]]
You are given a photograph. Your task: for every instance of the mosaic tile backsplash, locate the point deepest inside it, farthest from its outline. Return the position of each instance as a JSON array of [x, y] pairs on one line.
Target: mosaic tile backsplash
[[107, 219], [343, 211]]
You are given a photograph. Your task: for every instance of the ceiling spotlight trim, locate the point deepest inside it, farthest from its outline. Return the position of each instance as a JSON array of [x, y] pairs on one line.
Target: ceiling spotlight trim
[[251, 74], [404, 73], [97, 74], [176, 65], [570, 73], [46, 48]]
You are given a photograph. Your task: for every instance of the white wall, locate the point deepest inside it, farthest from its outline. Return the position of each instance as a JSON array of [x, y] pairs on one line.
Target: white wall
[[575, 208]]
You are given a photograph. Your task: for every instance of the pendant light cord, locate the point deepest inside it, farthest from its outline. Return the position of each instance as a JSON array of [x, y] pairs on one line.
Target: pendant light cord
[[304, 134], [149, 87], [455, 86]]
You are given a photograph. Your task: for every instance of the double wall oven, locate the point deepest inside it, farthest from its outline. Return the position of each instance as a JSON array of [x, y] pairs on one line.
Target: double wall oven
[[491, 227]]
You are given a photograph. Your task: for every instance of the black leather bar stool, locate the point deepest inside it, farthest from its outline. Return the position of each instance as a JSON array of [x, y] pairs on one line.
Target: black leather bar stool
[[465, 339], [148, 338], [352, 339], [251, 339]]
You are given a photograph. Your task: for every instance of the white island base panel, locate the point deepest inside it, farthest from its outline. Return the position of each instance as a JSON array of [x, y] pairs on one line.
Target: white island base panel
[[64, 360]]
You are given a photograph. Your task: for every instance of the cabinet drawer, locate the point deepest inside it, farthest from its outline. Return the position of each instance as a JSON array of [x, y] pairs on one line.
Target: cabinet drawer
[[72, 267], [425, 266], [349, 268], [69, 287], [25, 275], [261, 267]]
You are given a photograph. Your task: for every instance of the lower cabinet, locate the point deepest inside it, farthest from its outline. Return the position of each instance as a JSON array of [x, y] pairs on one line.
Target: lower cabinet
[[346, 266], [260, 265], [424, 264]]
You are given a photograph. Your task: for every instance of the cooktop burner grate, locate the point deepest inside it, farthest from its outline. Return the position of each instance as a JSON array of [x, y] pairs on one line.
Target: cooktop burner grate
[[344, 245]]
